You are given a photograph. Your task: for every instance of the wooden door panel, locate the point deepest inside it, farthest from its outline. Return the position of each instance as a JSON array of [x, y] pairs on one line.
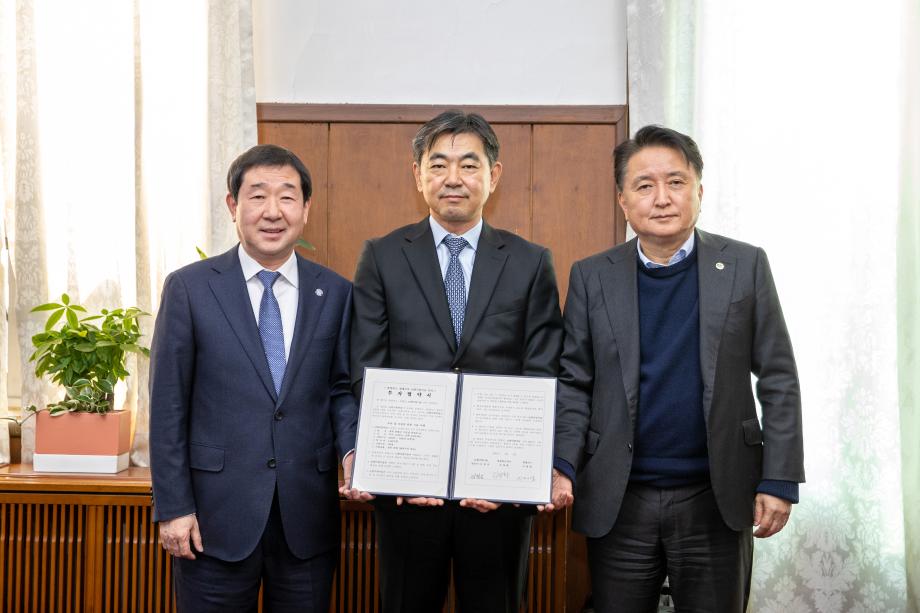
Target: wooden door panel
[[573, 192]]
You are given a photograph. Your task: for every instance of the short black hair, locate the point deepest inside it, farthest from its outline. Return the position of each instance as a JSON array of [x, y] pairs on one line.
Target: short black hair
[[267, 155], [455, 122], [655, 136]]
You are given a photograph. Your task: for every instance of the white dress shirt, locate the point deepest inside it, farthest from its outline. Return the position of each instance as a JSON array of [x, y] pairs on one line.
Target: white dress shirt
[[467, 256], [285, 290]]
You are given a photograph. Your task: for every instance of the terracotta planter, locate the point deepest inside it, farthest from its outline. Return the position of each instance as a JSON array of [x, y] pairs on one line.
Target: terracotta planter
[[82, 442]]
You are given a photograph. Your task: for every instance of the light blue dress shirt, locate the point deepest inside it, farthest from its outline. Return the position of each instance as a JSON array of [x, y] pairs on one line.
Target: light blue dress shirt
[[467, 256], [685, 250]]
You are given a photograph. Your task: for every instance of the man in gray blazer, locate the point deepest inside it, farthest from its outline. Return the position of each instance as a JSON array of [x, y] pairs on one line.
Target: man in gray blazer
[[250, 404], [657, 426]]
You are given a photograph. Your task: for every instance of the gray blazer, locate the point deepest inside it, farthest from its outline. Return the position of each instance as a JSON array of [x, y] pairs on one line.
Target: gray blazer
[[742, 331]]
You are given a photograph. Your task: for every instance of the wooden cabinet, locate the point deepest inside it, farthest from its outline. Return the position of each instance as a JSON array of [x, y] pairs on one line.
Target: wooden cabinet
[[71, 543]]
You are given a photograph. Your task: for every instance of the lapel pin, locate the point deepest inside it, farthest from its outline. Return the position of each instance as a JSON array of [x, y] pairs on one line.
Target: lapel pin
[[719, 265], [318, 292]]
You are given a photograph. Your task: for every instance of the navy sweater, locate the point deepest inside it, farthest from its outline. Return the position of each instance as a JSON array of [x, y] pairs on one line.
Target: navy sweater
[[670, 443]]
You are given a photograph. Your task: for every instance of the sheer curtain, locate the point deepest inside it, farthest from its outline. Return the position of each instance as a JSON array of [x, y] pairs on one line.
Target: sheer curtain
[[797, 109], [909, 294], [118, 122]]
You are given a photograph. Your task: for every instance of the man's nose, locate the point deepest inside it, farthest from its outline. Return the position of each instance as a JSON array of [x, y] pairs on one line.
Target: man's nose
[[662, 196], [272, 209], [453, 175]]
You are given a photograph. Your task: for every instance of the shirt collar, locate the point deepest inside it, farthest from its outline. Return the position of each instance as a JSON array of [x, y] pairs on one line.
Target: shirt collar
[[684, 250], [471, 235], [251, 268]]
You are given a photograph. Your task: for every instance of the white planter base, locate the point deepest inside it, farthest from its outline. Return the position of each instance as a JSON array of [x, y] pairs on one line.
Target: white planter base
[[72, 463]]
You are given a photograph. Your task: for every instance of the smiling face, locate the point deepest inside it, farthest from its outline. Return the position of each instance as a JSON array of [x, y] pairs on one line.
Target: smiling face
[[661, 197], [270, 213], [455, 178]]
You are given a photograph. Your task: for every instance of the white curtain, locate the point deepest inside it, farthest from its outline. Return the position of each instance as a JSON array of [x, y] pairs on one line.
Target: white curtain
[[119, 120], [909, 294], [797, 109]]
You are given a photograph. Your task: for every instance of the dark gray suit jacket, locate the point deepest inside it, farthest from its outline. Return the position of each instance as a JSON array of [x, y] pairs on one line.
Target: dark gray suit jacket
[[742, 331], [401, 318], [221, 439]]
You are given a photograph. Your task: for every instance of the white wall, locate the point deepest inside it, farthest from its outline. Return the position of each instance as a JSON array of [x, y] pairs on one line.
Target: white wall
[[413, 52]]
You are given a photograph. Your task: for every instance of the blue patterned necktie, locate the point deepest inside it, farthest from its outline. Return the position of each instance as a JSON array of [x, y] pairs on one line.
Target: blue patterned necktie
[[454, 284], [270, 328]]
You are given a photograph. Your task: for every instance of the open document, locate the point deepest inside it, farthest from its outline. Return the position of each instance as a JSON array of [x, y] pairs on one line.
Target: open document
[[450, 435]]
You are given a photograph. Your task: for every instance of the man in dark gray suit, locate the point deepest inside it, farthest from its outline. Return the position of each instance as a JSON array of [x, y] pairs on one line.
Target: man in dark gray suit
[[453, 293], [656, 421], [250, 405]]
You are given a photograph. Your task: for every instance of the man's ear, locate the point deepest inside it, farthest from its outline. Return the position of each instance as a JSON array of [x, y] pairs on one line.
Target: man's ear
[[231, 206], [494, 174], [417, 172], [622, 205]]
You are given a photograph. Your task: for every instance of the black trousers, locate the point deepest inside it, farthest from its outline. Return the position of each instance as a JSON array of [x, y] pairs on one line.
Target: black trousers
[[676, 533], [290, 584], [488, 550]]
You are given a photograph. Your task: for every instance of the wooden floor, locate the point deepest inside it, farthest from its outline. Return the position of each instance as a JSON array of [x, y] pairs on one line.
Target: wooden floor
[[72, 543]]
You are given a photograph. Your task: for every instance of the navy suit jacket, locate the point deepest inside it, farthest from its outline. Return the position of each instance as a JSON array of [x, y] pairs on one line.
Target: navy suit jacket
[[221, 439]]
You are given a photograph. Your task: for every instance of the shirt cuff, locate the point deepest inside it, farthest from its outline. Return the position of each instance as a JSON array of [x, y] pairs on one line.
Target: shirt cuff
[[344, 457], [565, 468], [787, 490]]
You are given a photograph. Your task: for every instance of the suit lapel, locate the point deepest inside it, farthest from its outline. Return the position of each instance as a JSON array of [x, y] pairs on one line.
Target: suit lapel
[[716, 277], [309, 308], [487, 268], [621, 298], [423, 261], [229, 288]]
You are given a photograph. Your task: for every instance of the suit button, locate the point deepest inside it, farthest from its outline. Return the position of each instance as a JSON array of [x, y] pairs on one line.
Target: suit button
[[279, 416], [629, 447], [272, 463]]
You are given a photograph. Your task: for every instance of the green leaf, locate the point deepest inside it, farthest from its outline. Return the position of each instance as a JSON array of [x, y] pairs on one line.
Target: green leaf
[[90, 318], [80, 382], [65, 298], [77, 307], [201, 254], [48, 306], [72, 319], [305, 244], [53, 319], [85, 347]]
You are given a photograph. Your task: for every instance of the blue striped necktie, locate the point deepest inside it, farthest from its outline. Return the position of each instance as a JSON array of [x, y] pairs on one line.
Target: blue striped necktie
[[454, 284], [270, 328]]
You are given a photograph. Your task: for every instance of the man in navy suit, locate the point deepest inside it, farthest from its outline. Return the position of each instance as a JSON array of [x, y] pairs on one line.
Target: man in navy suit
[[251, 405]]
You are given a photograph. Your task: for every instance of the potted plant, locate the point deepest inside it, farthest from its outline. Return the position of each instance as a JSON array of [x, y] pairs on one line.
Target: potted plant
[[86, 356]]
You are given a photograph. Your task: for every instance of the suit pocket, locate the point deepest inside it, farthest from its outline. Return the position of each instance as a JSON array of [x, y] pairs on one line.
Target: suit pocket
[[752, 434], [591, 442], [205, 457], [325, 458], [507, 307], [741, 303]]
